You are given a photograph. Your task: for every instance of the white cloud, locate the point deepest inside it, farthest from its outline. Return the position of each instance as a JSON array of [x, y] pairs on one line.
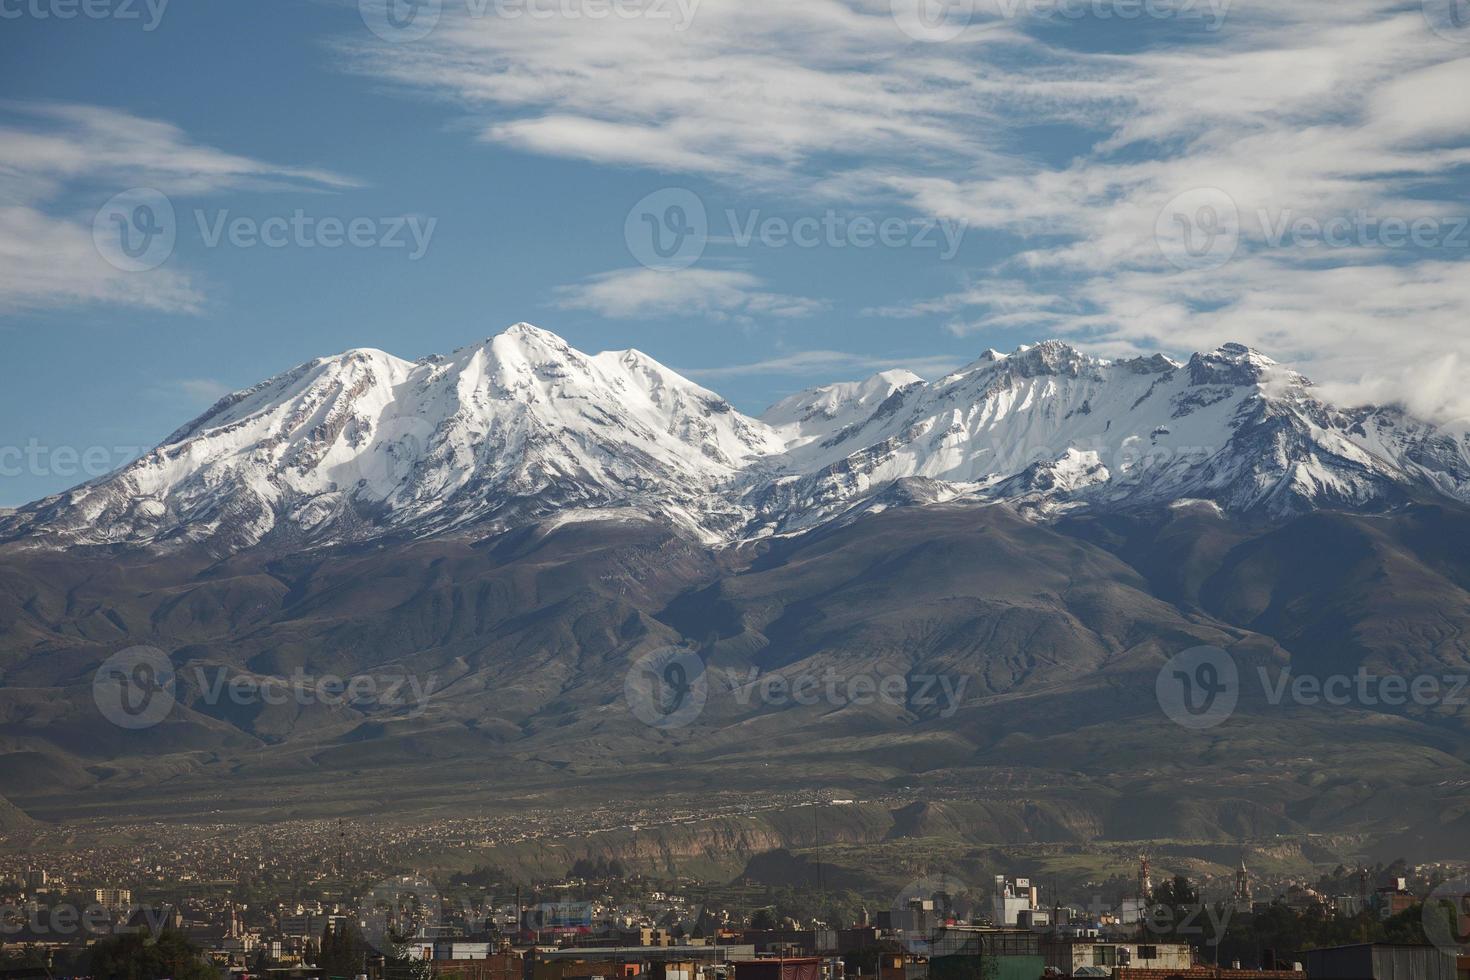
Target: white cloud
[[825, 363], [713, 293], [1315, 108], [59, 162], [203, 391]]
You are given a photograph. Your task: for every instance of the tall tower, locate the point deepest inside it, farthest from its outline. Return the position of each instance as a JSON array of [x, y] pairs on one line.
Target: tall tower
[[1145, 880], [1242, 885]]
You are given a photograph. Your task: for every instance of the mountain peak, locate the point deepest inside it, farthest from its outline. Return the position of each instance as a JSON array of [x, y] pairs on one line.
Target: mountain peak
[[523, 426], [1232, 364]]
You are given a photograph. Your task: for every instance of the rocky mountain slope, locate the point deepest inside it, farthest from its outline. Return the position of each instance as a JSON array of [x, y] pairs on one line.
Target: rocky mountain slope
[[497, 435], [515, 526]]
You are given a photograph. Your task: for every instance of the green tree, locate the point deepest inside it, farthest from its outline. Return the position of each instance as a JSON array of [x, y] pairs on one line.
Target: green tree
[[400, 963], [142, 956], [343, 951]]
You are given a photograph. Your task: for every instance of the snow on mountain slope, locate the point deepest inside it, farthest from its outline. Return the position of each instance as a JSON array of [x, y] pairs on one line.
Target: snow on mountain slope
[[365, 443], [1051, 428], [523, 427], [822, 414]]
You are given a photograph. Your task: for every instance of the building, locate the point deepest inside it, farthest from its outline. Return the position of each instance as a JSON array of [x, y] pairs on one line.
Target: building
[[1012, 897], [792, 942], [114, 899], [1206, 973], [496, 966], [785, 968], [1378, 961], [1241, 896], [627, 962], [973, 953], [1069, 958], [1395, 898]]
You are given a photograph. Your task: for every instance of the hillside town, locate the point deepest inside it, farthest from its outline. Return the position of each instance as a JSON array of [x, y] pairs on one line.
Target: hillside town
[[600, 922]]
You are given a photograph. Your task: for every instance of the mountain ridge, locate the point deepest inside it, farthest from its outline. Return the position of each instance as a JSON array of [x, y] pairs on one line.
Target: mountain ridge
[[523, 426]]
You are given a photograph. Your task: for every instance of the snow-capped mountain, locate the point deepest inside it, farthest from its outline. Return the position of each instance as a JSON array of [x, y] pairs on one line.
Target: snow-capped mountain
[[365, 443], [1052, 428], [523, 426]]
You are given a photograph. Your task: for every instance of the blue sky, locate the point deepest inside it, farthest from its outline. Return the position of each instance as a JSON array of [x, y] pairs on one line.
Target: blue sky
[[1130, 177]]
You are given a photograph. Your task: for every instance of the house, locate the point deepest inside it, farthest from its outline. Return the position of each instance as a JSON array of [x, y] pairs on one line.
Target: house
[[1378, 961], [1067, 957]]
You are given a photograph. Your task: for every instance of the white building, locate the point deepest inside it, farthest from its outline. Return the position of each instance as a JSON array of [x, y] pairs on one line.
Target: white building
[[1012, 897]]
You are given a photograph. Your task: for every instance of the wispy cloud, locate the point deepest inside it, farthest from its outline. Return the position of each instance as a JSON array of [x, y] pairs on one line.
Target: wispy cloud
[[1316, 108], [713, 293], [203, 391], [828, 364], [60, 162]]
